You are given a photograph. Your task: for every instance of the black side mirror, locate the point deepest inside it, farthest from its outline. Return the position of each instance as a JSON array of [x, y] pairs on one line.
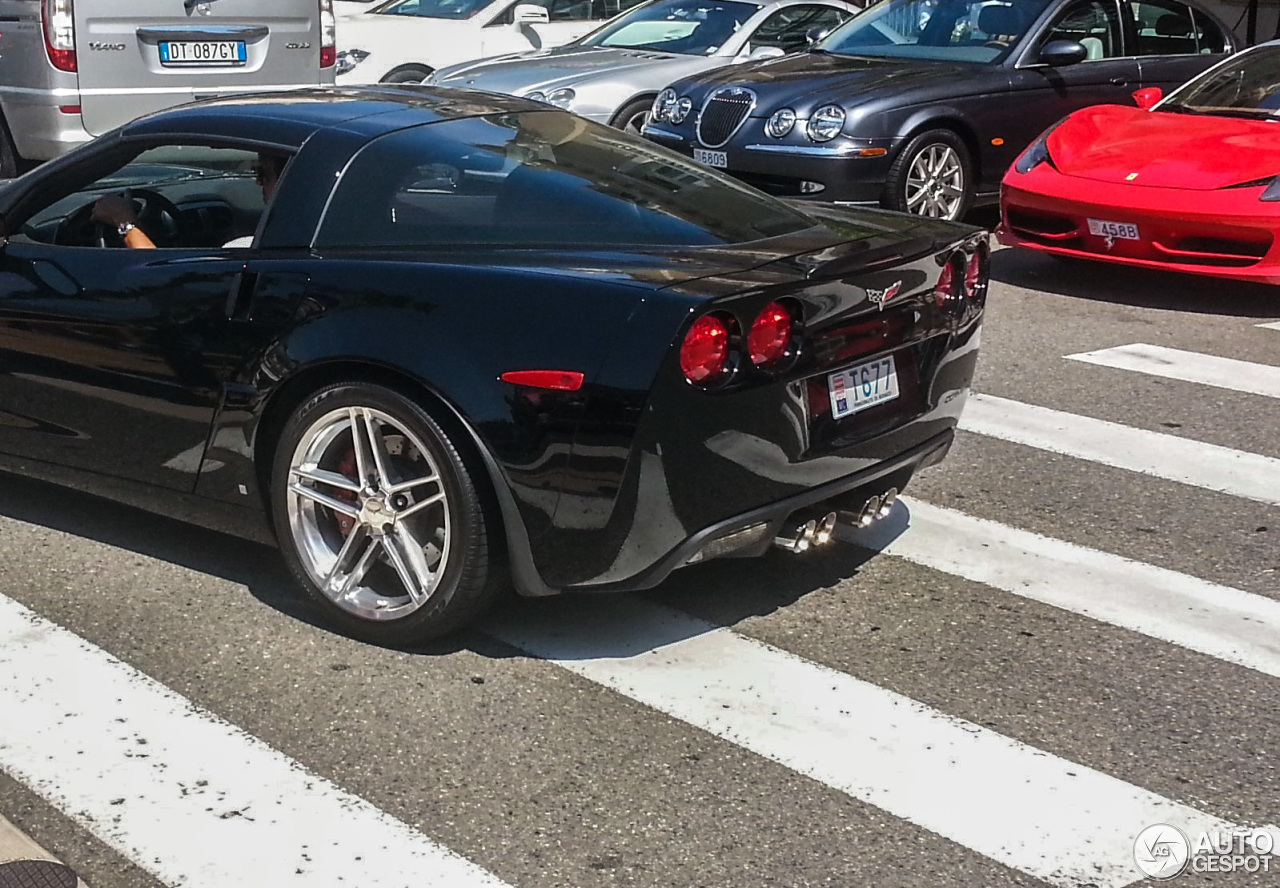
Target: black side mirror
[[814, 34], [1058, 53]]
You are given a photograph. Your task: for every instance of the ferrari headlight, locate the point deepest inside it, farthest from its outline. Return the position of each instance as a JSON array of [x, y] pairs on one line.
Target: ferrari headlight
[[536, 96], [663, 105], [561, 98], [1038, 152], [348, 59], [780, 123], [826, 123], [681, 110], [1273, 190]]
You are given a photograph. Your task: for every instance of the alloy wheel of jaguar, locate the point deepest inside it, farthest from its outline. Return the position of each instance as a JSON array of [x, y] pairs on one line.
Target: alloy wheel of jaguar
[[931, 177], [378, 516]]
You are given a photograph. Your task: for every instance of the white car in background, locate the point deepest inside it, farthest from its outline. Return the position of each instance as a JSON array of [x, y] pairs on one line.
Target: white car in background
[[404, 41], [352, 7]]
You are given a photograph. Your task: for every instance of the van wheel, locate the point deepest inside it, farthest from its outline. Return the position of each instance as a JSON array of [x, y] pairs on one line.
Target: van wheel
[[8, 153], [408, 74]]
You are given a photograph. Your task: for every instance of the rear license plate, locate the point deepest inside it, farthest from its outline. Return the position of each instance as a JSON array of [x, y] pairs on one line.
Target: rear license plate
[[202, 52], [710, 158], [1120, 230], [863, 386]]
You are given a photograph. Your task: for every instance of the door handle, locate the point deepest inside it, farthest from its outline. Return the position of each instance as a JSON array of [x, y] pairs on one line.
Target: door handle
[[1119, 81]]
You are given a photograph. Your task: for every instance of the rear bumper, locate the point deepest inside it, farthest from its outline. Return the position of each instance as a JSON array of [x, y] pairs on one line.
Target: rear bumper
[[1226, 233], [751, 533], [40, 129]]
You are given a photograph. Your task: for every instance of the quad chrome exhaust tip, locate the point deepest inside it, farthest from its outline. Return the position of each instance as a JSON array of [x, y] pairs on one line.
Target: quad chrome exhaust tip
[[814, 532], [877, 508]]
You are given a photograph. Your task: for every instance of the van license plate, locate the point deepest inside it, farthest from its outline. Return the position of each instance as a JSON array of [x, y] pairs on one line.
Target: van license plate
[[711, 158], [203, 52], [863, 386]]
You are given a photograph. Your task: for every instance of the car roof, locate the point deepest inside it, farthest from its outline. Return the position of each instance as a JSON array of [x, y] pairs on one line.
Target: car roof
[[289, 117]]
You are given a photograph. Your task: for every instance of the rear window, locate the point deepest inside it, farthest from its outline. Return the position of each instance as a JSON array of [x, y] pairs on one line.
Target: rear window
[[540, 178]]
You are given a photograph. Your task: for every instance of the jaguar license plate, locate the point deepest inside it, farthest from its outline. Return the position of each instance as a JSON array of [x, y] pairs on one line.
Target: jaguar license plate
[[863, 386], [711, 158], [202, 52], [1117, 230]]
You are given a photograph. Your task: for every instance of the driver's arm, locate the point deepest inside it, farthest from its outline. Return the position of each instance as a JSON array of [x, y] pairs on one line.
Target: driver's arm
[[117, 210]]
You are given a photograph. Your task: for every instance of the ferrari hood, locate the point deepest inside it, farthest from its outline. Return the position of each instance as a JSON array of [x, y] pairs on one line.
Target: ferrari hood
[[563, 66], [807, 79], [1114, 143]]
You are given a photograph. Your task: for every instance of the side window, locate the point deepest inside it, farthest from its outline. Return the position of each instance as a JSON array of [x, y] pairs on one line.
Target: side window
[[786, 28], [1166, 27], [1094, 24], [1209, 37], [179, 196], [569, 10]]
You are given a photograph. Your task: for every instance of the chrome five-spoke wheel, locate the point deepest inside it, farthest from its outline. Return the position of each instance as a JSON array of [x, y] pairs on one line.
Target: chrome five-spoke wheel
[[377, 514]]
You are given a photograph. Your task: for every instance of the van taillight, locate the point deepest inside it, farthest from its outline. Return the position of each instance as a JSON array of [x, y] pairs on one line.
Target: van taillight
[[705, 351], [59, 23], [770, 335], [328, 35]]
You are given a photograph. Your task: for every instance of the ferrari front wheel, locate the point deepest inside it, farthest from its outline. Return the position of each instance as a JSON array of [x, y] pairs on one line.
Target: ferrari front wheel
[[378, 517], [932, 176]]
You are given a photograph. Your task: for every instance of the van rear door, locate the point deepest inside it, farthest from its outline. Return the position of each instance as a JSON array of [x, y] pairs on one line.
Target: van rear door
[[144, 55]]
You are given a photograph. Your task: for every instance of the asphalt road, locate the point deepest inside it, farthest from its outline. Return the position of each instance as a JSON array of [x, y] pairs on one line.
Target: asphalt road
[[1073, 634]]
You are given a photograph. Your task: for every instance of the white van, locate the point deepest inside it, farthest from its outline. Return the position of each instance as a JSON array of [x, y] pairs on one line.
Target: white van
[[73, 69]]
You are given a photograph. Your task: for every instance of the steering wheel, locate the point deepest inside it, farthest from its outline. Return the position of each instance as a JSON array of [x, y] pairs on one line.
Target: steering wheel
[[158, 216]]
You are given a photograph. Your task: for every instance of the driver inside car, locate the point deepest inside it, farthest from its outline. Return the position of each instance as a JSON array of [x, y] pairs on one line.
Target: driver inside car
[[119, 211]]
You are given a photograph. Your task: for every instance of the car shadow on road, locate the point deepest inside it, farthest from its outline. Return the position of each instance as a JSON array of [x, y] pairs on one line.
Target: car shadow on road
[[1139, 287], [693, 601]]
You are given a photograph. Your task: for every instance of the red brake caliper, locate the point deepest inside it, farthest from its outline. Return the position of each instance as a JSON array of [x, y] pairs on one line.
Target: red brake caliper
[[347, 467]]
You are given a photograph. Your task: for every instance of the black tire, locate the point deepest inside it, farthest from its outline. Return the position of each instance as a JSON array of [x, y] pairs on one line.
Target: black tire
[[408, 74], [630, 112], [469, 543], [10, 163], [903, 177]]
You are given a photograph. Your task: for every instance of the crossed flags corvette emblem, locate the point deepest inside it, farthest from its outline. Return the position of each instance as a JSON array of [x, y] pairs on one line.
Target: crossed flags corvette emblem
[[880, 297]]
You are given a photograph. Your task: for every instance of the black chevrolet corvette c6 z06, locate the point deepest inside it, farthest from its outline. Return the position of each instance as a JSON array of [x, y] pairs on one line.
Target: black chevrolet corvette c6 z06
[[922, 105], [469, 342]]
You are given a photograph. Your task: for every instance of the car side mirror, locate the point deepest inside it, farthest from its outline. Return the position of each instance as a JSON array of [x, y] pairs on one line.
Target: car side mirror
[[530, 14], [1059, 53], [765, 52], [1147, 97], [814, 34]]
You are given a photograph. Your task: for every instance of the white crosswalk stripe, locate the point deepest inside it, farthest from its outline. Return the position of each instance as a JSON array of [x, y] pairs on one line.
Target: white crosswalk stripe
[[1172, 363], [206, 804], [1191, 462], [877, 746], [1270, 325]]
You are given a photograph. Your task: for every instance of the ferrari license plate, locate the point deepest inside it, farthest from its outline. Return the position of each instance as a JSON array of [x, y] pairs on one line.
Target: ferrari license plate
[[711, 158], [863, 386], [1118, 230], [202, 52]]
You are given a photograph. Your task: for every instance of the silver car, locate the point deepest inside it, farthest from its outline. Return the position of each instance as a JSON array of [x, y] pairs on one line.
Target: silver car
[[73, 69], [613, 74]]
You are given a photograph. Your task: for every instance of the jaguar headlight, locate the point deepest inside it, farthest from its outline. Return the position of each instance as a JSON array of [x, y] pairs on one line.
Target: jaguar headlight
[[663, 105], [681, 110], [780, 123], [536, 96], [826, 123], [561, 98]]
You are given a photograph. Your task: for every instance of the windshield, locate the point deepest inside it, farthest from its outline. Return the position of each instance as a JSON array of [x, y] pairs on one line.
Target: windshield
[[441, 9], [687, 27], [1246, 86], [943, 30]]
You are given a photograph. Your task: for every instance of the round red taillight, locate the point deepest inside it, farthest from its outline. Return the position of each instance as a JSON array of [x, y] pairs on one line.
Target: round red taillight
[[705, 350], [975, 278], [944, 293], [770, 334]]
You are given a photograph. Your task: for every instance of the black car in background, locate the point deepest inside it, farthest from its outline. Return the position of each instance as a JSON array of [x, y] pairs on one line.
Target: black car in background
[[921, 105], [470, 342]]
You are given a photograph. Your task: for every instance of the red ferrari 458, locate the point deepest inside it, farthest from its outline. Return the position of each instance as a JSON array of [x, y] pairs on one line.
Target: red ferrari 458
[[1190, 182]]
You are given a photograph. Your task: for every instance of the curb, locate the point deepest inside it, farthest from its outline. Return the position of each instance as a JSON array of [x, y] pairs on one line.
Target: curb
[[24, 864]]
